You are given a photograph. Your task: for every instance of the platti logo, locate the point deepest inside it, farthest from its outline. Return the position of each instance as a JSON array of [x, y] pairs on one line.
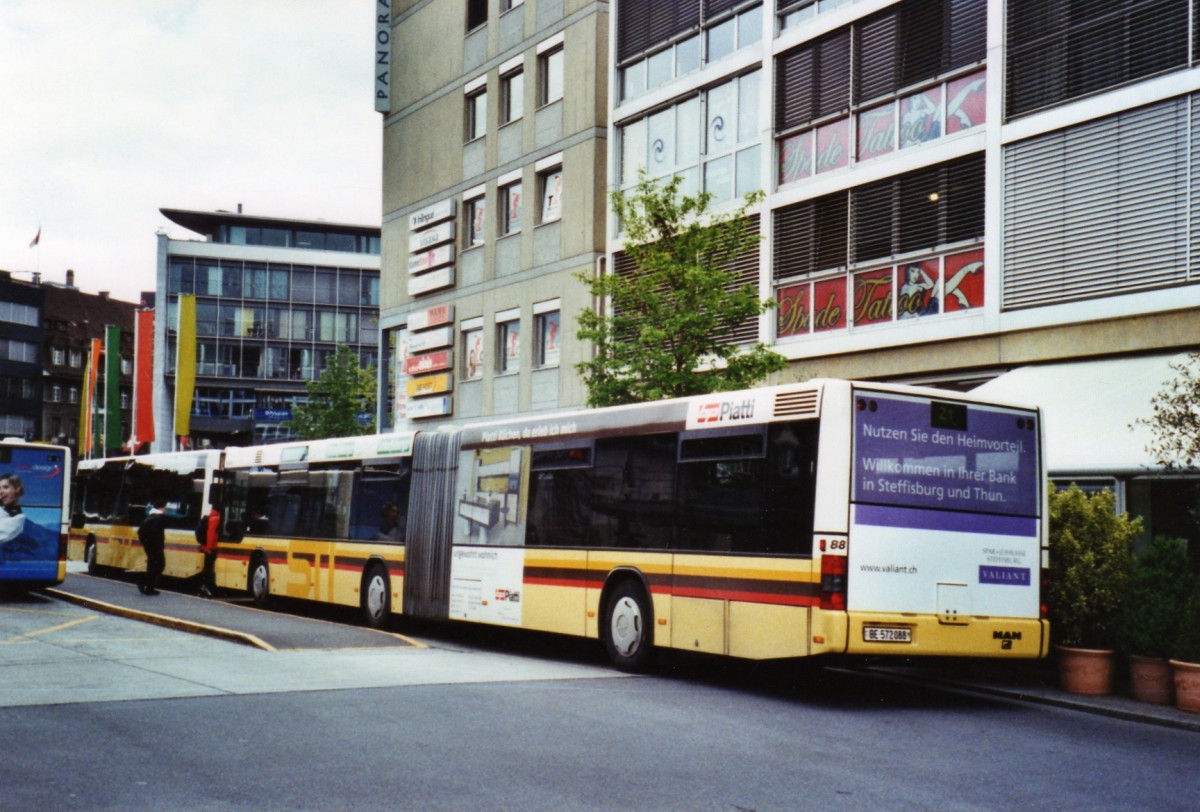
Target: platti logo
[[1004, 576], [725, 411]]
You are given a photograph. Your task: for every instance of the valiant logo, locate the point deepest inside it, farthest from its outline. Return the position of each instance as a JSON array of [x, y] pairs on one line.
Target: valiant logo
[[725, 411]]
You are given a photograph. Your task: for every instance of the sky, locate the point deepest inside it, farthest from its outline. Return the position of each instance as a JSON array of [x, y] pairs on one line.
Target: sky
[[112, 110]]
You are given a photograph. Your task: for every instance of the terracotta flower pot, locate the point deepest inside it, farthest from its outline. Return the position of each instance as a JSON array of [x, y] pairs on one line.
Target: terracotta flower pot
[[1085, 671], [1150, 680], [1187, 686]]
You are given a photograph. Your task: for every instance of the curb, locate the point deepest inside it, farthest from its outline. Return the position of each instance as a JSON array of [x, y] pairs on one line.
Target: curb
[[1052, 700], [163, 620]]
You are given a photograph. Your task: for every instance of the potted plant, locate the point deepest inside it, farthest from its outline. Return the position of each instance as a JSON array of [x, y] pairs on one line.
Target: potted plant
[[1149, 619], [1090, 562], [1186, 663]]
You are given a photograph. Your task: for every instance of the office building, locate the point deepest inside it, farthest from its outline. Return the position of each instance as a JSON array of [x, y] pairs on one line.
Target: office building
[[494, 197], [274, 299]]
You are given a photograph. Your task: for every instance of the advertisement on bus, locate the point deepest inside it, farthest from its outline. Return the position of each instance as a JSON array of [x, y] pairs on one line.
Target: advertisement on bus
[[31, 511], [944, 493]]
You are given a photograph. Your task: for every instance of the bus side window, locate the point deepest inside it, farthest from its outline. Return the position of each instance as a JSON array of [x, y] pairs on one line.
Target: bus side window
[[633, 494], [380, 510], [560, 498], [790, 487]]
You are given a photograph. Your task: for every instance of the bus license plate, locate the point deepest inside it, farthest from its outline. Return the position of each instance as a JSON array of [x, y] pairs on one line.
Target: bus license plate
[[886, 634]]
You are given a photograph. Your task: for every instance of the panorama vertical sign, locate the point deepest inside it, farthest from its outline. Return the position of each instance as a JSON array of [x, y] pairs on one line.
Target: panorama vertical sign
[[383, 55]]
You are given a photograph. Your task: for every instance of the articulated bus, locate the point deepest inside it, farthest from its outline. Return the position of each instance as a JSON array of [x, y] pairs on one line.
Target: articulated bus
[[35, 497], [825, 517], [112, 496]]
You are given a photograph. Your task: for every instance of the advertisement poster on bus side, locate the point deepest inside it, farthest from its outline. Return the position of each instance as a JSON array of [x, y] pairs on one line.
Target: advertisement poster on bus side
[[31, 490], [486, 583]]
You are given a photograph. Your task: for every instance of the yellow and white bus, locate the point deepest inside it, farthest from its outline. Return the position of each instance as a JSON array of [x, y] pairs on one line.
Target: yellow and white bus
[[112, 496], [788, 521]]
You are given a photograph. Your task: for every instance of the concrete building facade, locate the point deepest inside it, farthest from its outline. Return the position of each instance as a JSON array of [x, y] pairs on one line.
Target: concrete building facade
[[274, 299], [494, 199]]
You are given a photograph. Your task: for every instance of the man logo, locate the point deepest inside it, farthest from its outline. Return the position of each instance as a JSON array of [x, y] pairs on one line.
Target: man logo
[[1006, 639]]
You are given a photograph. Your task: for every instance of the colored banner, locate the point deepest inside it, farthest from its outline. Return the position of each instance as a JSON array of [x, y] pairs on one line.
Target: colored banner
[[185, 364], [143, 379], [112, 387], [87, 408]]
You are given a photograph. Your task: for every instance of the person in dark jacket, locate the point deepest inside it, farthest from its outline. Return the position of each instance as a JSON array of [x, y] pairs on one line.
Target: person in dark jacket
[[152, 536]]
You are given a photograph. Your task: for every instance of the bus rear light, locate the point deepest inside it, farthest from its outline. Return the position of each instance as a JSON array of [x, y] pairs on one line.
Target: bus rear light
[[833, 582]]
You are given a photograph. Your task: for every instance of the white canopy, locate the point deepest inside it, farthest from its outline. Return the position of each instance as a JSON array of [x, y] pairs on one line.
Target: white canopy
[[1089, 409]]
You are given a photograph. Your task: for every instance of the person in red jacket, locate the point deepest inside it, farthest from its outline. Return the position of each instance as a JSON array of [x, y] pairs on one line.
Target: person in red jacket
[[212, 533]]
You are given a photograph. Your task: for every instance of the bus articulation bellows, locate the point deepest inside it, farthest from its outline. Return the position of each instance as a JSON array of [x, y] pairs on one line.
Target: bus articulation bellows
[[789, 521]]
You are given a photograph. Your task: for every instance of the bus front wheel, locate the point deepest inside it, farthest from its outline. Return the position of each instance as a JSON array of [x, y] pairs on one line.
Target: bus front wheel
[[259, 581], [629, 637], [376, 596]]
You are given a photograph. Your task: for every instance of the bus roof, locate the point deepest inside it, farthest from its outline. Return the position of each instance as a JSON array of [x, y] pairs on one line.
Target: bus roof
[[182, 461], [367, 446]]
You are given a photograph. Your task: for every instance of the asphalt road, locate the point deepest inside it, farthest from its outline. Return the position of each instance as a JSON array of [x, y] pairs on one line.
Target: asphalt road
[[102, 712]]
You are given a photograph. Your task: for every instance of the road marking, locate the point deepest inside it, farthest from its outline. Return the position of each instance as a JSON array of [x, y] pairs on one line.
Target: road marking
[[21, 638]]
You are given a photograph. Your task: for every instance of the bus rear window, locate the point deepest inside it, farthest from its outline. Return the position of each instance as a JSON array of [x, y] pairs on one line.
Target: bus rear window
[[921, 453]]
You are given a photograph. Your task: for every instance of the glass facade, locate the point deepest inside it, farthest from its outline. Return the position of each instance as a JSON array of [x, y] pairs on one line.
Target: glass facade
[[265, 328]]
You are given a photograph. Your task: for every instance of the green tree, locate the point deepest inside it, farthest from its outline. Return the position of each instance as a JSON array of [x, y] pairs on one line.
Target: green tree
[[336, 399], [664, 331], [1175, 418], [1091, 558]]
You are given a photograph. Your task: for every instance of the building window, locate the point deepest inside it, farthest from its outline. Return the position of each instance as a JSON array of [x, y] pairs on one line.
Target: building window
[[476, 115], [473, 222], [508, 346], [906, 214], [73, 394], [75, 357], [55, 393], [512, 96], [58, 356], [551, 187], [508, 5], [473, 353], [477, 14], [1059, 51], [551, 69], [903, 77], [547, 339], [510, 216], [714, 132]]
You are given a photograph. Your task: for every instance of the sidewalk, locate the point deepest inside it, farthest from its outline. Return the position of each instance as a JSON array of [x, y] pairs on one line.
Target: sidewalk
[[1037, 682], [228, 618]]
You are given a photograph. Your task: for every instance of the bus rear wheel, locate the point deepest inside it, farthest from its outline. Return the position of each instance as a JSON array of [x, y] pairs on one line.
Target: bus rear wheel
[[629, 637], [258, 583], [376, 596]]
